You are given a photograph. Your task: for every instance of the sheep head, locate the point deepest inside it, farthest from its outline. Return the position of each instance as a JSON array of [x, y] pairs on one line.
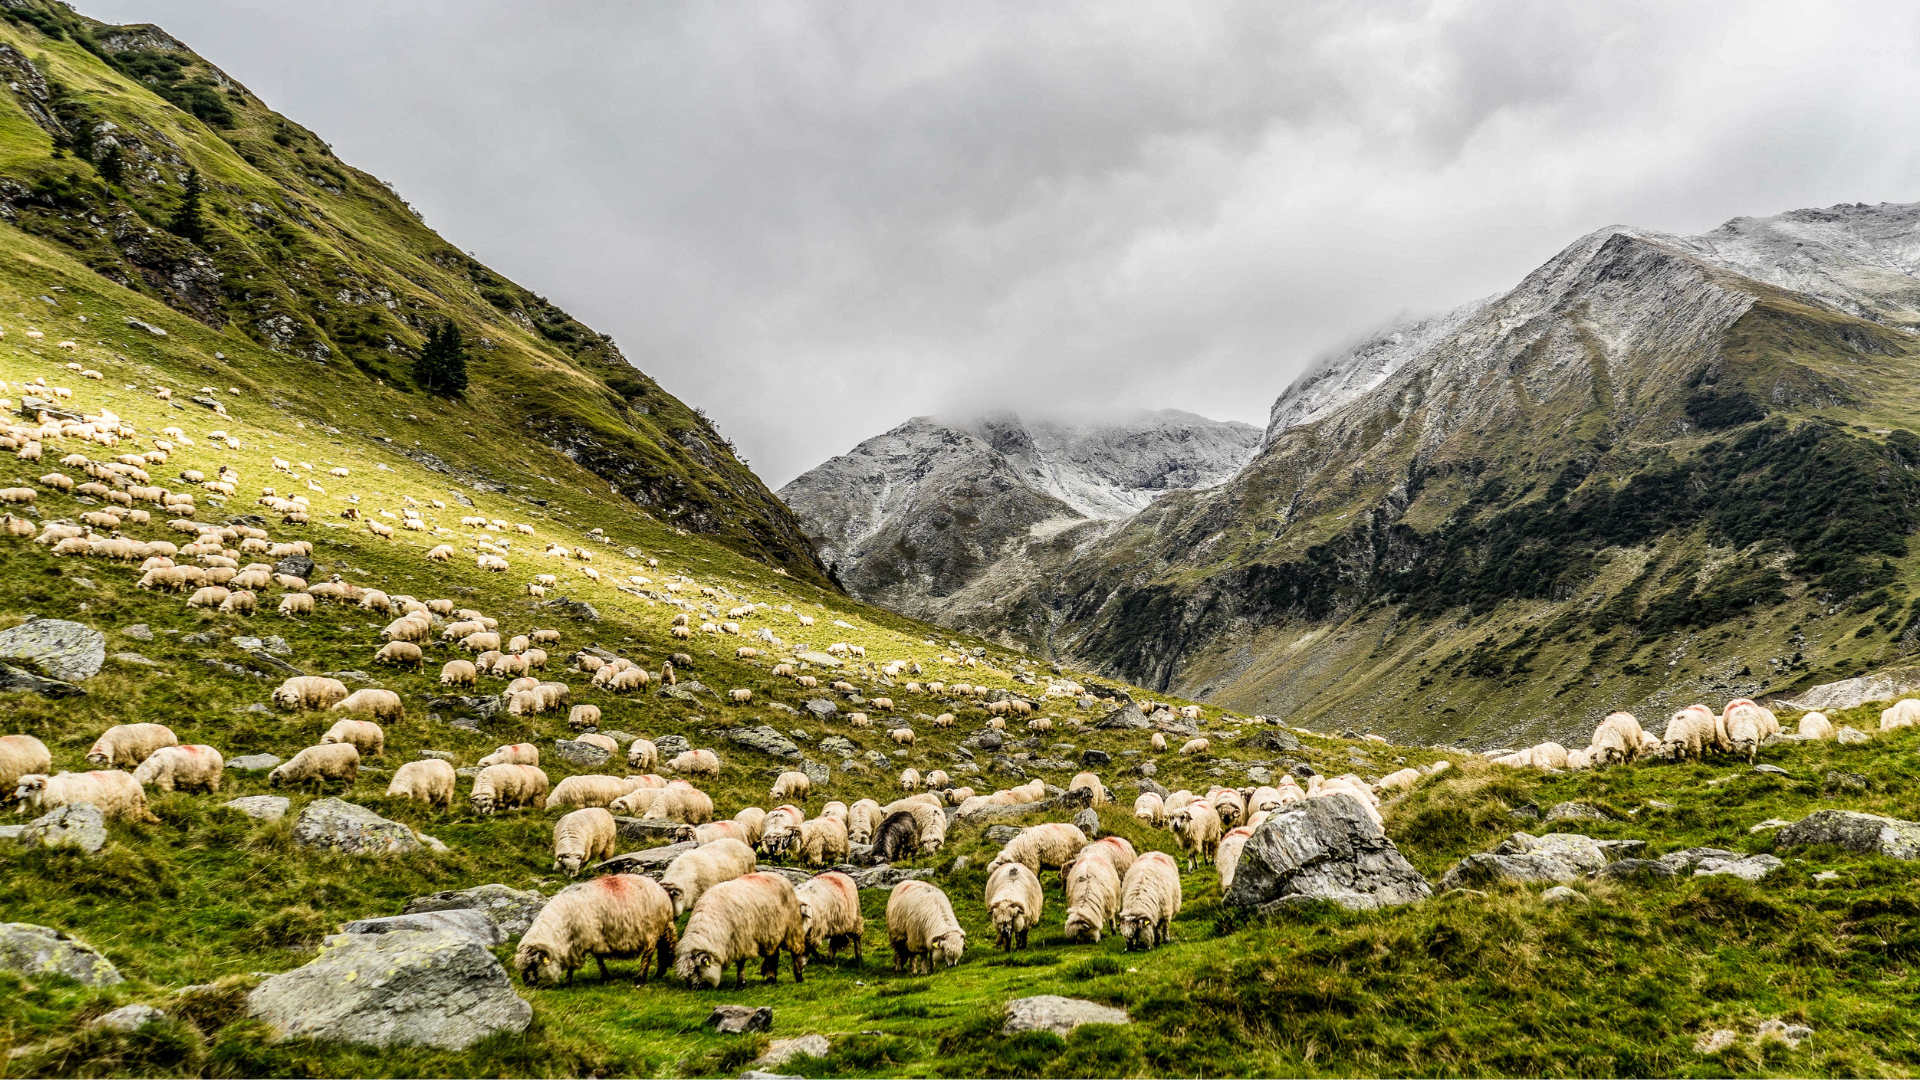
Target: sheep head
[[949, 946], [1081, 928], [700, 967], [536, 965]]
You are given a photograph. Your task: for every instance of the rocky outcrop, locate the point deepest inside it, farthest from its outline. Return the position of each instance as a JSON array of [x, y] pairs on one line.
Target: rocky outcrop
[[512, 910], [62, 650], [1323, 849], [79, 825], [337, 825], [405, 988], [471, 923], [1854, 831], [1059, 1015], [41, 950], [264, 807], [1554, 858]]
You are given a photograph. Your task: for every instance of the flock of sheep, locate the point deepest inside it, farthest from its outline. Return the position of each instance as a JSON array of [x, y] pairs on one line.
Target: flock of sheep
[[1739, 729]]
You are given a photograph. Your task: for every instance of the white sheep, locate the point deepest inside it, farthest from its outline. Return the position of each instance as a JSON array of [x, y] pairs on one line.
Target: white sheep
[[1226, 858], [830, 912], [921, 926], [1014, 903], [379, 704], [696, 763], [619, 916], [589, 790], [365, 735], [428, 780], [1197, 746], [1617, 740], [582, 836], [643, 755], [512, 754], [503, 787], [1198, 828], [182, 768], [21, 755], [1149, 809], [1690, 733], [754, 917], [1900, 714], [1047, 846], [1093, 896], [318, 764], [792, 785], [130, 744], [1815, 725], [117, 794], [1149, 899], [309, 692]]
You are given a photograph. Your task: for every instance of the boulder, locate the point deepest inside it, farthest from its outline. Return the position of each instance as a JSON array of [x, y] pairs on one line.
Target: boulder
[[883, 875], [1771, 770], [80, 825], [11, 832], [1555, 857], [337, 825], [253, 763], [1633, 869], [1849, 693], [273, 644], [465, 922], [1835, 780], [672, 746], [740, 1019], [1145, 786], [15, 678], [138, 631], [1851, 736], [653, 830], [821, 707], [67, 651], [781, 1051], [819, 659], [1576, 811], [651, 861], [1323, 849], [573, 609], [298, 565], [816, 772], [1278, 739], [128, 1018], [1746, 867], [1256, 774], [405, 988], [1560, 894], [1127, 717], [1093, 759], [1001, 834], [437, 755], [835, 744], [582, 754], [512, 910], [1088, 822], [1854, 831], [766, 740], [41, 950], [264, 807], [1059, 1015]]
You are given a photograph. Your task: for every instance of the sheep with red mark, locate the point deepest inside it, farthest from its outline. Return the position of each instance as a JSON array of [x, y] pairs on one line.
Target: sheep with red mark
[[1093, 896], [754, 917], [830, 912], [620, 916], [512, 754], [1014, 903], [317, 765], [182, 768], [1047, 846], [21, 755], [117, 794], [1149, 899], [922, 928]]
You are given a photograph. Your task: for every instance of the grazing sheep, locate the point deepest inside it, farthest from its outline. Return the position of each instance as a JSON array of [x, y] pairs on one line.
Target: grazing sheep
[[130, 744], [1406, 778], [604, 742], [1090, 783], [459, 673], [621, 916], [1149, 899], [365, 735], [1093, 896], [296, 604], [754, 820], [696, 763], [21, 755], [897, 837], [430, 781], [830, 912], [405, 653], [678, 801], [642, 755], [503, 787], [585, 835], [910, 779], [901, 736], [792, 785], [921, 926], [239, 602], [1049, 846], [379, 704], [319, 764], [1198, 829], [117, 794], [720, 830], [309, 692], [862, 817], [756, 916], [1690, 733], [512, 754], [182, 768], [1616, 741], [583, 716], [1014, 903], [819, 842], [590, 790], [209, 596], [1815, 725], [1745, 727], [1900, 714], [1149, 809], [1197, 746], [1226, 858]]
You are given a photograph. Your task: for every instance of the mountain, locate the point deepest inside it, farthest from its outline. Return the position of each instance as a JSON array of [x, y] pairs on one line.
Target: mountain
[[910, 518], [1658, 469], [336, 280]]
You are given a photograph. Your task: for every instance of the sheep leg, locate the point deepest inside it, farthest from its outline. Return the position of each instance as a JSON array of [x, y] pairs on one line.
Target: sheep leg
[[798, 962], [740, 974], [664, 950], [857, 959], [1023, 939], [602, 961]]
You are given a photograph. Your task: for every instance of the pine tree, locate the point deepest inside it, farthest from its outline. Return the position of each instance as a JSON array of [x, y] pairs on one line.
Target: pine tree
[[186, 220], [442, 365], [113, 165]]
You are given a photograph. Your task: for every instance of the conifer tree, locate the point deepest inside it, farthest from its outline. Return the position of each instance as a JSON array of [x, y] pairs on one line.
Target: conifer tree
[[186, 220], [442, 365]]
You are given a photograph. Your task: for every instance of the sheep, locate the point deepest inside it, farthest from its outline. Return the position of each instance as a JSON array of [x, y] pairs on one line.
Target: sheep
[[117, 794], [830, 912], [819, 842], [1149, 809], [1353, 787], [791, 785], [859, 720], [1617, 740], [19, 756], [677, 801], [835, 809], [921, 926], [1815, 725], [459, 673], [910, 779], [1089, 782], [512, 754], [182, 768], [589, 790], [696, 763], [1690, 733], [130, 744], [503, 787], [1900, 714], [309, 692], [714, 831], [1049, 846], [937, 779], [901, 736], [1745, 726], [379, 704], [1117, 850], [642, 755], [1226, 858], [932, 819], [481, 641], [1093, 896], [754, 916], [319, 764], [620, 916], [1406, 778], [430, 781], [584, 835], [1014, 903], [210, 596], [1149, 899], [365, 735], [862, 817], [754, 821], [1197, 746], [1198, 829]]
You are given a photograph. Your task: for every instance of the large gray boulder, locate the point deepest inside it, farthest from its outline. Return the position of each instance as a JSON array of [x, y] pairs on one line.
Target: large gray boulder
[[1854, 831], [405, 988], [63, 650], [512, 910], [337, 825], [766, 740], [1127, 717], [1555, 858], [650, 861], [264, 807], [582, 754], [1059, 1015], [18, 678], [671, 746], [1324, 849], [466, 922], [652, 830], [80, 825], [41, 950]]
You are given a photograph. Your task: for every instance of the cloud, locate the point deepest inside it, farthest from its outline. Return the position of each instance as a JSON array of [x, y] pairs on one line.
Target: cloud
[[816, 220]]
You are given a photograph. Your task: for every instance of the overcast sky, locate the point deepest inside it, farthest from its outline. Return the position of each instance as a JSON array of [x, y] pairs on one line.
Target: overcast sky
[[816, 220]]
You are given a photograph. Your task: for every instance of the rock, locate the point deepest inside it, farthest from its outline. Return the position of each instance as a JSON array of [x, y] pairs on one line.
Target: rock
[[1088, 822], [834, 744], [653, 830], [253, 763], [11, 832], [1631, 869], [512, 910], [1144, 786], [1323, 849], [1059, 1015], [465, 922], [821, 707], [990, 740], [582, 754], [273, 644], [336, 825], [41, 950], [1256, 774], [1836, 780], [739, 1019], [1771, 770], [766, 740], [1125, 718], [883, 876], [1576, 811], [13, 678], [1560, 894], [405, 988], [762, 1074], [1851, 736], [1278, 739], [781, 1051], [1849, 693], [264, 807], [816, 772], [1747, 868], [819, 659], [62, 650], [1001, 834], [672, 746], [1093, 759], [135, 658], [298, 565], [877, 759], [1077, 799], [1770, 823], [1713, 1042], [647, 861], [80, 825], [1301, 770], [1555, 857], [354, 675], [437, 755], [793, 874], [128, 1018], [573, 609], [138, 631], [1781, 1031], [996, 813], [1854, 831]]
